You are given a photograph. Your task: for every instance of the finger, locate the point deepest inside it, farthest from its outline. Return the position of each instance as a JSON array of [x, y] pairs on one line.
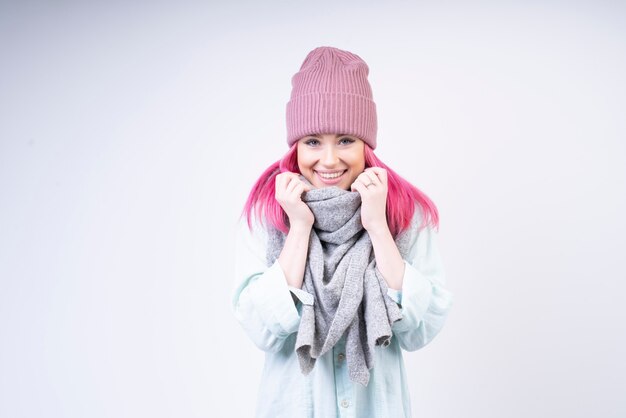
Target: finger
[[299, 189], [295, 182], [279, 184], [366, 179], [358, 186], [362, 179], [370, 177], [380, 172], [282, 179], [355, 185], [304, 186], [284, 183]]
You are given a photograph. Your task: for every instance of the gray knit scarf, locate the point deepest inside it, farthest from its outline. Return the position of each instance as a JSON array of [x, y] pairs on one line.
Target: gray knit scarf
[[349, 293]]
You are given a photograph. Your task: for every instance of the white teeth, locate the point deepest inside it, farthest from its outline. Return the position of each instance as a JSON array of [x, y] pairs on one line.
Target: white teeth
[[329, 175]]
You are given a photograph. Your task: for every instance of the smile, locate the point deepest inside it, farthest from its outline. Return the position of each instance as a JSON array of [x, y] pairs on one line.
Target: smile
[[330, 177]]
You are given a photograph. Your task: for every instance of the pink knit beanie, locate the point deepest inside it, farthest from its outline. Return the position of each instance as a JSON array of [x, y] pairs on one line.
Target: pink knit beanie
[[331, 95]]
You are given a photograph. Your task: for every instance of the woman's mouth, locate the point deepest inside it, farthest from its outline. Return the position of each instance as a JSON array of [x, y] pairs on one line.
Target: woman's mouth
[[330, 177]]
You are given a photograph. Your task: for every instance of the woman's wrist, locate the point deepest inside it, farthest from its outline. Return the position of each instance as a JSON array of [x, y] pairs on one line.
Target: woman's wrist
[[379, 229], [292, 258], [301, 226], [389, 261]]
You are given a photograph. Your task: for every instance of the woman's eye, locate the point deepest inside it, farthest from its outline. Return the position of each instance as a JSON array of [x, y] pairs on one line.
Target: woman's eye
[[346, 140], [312, 142]]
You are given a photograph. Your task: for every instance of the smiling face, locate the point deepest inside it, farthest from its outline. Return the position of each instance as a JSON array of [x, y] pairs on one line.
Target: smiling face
[[331, 160]]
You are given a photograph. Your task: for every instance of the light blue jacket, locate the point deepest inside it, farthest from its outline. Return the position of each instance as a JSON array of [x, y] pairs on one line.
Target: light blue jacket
[[263, 304]]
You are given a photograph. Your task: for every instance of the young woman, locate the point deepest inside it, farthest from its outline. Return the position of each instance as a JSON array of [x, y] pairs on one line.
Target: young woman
[[337, 263]]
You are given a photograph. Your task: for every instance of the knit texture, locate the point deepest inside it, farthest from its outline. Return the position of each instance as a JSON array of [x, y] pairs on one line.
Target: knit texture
[[331, 95], [349, 293]]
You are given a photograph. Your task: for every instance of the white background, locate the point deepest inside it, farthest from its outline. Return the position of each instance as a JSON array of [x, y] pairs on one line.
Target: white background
[[131, 133]]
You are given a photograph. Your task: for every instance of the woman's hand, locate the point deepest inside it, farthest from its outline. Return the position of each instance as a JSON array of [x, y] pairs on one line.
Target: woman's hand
[[372, 186], [289, 189], [374, 218]]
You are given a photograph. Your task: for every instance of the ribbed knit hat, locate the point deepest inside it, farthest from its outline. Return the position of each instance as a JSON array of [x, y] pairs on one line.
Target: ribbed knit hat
[[331, 95]]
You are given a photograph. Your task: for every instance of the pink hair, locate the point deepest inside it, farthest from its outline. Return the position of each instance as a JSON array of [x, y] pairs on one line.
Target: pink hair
[[401, 196]]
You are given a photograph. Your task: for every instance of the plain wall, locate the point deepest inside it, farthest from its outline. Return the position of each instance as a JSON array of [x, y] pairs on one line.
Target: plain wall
[[131, 133]]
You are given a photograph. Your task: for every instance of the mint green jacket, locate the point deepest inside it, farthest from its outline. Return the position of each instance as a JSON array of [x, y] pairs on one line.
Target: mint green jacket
[[262, 303]]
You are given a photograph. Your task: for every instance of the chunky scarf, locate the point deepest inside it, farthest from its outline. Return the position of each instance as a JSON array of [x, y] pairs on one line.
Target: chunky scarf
[[349, 293]]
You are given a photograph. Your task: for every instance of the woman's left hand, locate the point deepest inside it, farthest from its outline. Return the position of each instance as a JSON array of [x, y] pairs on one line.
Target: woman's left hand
[[372, 186]]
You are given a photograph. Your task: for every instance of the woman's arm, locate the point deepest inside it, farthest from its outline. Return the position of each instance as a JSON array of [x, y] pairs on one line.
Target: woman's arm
[[415, 283], [372, 186], [388, 259], [261, 299], [292, 259], [265, 300]]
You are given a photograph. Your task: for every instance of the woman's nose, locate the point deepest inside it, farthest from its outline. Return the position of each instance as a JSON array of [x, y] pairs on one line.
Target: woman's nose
[[330, 157]]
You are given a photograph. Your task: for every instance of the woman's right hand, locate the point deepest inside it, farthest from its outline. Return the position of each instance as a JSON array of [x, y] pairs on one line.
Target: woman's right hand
[[289, 189]]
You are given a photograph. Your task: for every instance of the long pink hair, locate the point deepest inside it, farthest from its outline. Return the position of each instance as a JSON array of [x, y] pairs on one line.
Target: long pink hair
[[402, 196]]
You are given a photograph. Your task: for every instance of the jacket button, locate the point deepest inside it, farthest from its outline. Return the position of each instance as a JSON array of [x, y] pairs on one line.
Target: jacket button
[[345, 403], [341, 357]]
